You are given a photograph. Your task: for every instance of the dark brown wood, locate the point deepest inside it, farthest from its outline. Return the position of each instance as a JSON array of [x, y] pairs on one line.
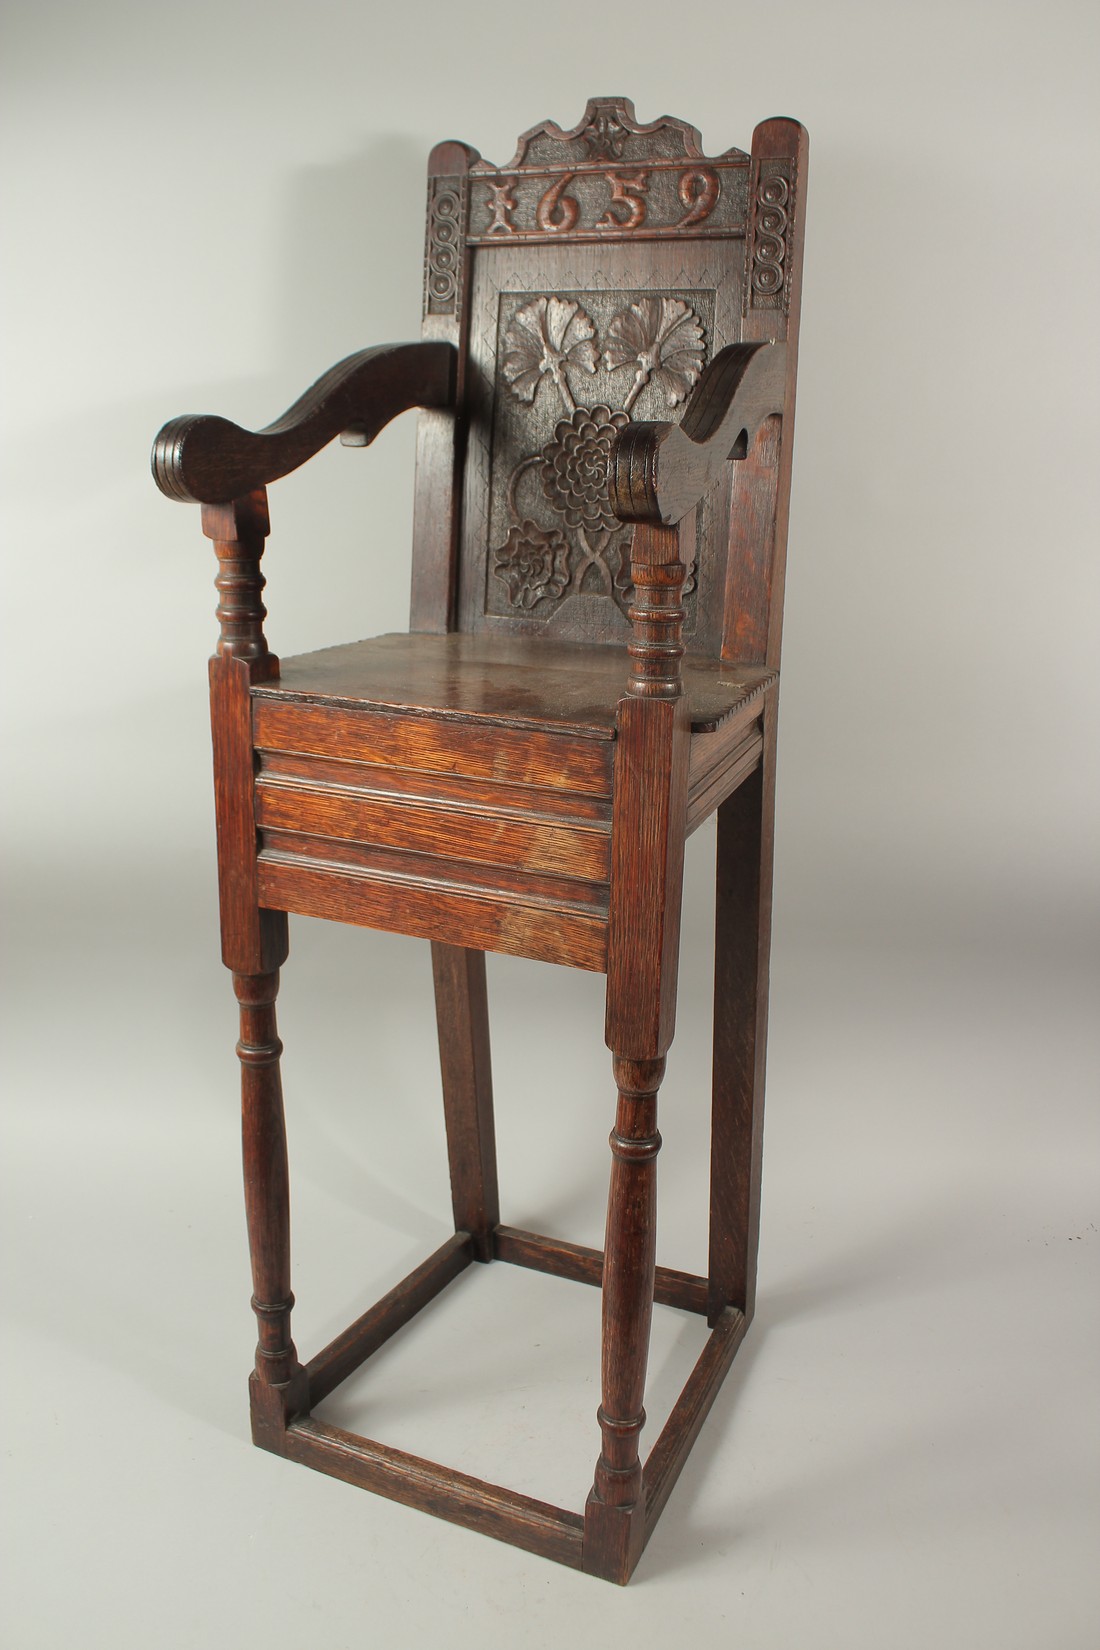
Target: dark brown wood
[[488, 838], [520, 756], [710, 784], [772, 302], [608, 179], [504, 681], [431, 908], [459, 792], [536, 1526], [647, 856], [492, 883], [680, 1431], [609, 338], [754, 496], [741, 960], [280, 1383], [604, 1542], [238, 531], [254, 941], [343, 1356], [657, 645], [462, 1015], [614, 1530], [660, 471], [582, 1265], [202, 459], [607, 267], [441, 433], [648, 834]]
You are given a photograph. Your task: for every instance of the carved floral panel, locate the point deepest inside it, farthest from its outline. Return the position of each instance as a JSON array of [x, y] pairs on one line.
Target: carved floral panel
[[573, 368]]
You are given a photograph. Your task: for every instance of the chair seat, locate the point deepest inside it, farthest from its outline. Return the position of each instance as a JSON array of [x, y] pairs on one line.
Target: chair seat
[[512, 682], [461, 786]]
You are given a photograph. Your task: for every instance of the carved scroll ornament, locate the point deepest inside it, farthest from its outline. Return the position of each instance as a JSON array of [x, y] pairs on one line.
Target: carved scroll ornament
[[769, 243], [446, 246]]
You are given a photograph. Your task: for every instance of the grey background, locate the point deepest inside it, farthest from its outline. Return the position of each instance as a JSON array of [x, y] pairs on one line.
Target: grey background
[[204, 208]]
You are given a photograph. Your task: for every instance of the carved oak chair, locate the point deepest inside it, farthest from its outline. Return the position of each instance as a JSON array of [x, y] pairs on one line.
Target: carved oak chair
[[609, 319]]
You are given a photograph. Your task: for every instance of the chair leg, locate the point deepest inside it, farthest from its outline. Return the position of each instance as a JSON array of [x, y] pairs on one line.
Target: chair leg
[[742, 946], [647, 856], [615, 1514], [278, 1386], [462, 1014]]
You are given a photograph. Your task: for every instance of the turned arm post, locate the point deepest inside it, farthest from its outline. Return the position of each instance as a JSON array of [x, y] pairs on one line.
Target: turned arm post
[[239, 530], [254, 944], [254, 940], [657, 613]]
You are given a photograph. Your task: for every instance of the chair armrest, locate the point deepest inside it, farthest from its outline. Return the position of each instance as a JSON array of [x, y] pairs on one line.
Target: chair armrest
[[206, 460], [658, 472]]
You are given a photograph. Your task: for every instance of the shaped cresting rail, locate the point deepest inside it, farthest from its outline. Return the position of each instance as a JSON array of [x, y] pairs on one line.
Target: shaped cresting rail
[[658, 472]]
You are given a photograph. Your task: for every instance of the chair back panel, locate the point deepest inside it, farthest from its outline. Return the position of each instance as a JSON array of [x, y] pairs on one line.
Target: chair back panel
[[586, 283]]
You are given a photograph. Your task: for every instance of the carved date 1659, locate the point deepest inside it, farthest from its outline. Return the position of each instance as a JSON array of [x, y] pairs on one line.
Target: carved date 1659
[[611, 202]]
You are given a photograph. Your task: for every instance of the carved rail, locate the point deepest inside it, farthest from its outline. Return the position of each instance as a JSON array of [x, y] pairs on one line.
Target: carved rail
[[658, 472], [202, 459]]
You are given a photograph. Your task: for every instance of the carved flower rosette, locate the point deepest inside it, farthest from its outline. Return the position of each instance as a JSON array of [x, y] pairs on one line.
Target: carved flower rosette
[[562, 538], [532, 564], [574, 468]]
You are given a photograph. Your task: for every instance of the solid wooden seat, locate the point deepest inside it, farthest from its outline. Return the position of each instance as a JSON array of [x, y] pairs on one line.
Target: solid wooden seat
[[606, 385], [565, 687]]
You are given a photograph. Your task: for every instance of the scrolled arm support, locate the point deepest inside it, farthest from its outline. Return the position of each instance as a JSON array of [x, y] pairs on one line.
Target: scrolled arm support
[[202, 459], [658, 472]]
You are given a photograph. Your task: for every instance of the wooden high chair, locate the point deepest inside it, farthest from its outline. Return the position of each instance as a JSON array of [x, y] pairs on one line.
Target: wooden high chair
[[609, 319]]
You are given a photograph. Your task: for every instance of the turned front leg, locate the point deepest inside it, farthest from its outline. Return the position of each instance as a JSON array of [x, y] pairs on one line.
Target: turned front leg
[[266, 1184], [647, 855], [614, 1523], [629, 1259]]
